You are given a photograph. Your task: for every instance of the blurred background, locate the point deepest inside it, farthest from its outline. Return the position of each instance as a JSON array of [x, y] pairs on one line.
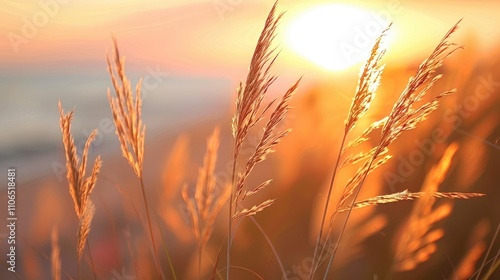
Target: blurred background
[[191, 56]]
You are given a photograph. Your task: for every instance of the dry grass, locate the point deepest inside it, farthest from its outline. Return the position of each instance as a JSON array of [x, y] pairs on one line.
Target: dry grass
[[80, 187], [126, 108], [414, 246], [55, 256], [249, 112], [127, 111], [369, 80], [417, 242], [406, 195], [207, 200], [270, 138], [406, 113]]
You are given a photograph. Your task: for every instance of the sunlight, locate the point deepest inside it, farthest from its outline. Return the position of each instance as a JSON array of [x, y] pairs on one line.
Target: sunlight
[[335, 36]]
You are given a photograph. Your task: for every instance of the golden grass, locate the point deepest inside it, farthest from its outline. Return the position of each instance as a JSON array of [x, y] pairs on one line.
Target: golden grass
[[249, 112], [405, 115], [55, 256], [80, 187], [369, 80], [406, 195], [270, 138], [126, 108], [127, 111], [207, 200], [416, 244]]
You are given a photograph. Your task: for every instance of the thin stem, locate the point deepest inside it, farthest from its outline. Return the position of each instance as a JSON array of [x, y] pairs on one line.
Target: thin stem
[[91, 260], [492, 269], [200, 249], [167, 254], [488, 252], [322, 258], [230, 223], [270, 245], [215, 272], [358, 189], [325, 210], [155, 255]]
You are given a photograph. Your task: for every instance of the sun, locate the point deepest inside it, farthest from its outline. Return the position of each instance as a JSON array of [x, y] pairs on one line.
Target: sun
[[335, 36]]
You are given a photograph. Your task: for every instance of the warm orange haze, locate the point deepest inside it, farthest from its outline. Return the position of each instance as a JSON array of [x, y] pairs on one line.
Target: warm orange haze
[[250, 139]]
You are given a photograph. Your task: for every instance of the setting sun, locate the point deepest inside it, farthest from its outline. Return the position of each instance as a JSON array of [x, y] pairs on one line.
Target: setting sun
[[335, 36]]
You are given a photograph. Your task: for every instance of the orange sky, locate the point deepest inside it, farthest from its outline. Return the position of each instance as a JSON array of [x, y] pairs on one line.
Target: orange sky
[[203, 37]]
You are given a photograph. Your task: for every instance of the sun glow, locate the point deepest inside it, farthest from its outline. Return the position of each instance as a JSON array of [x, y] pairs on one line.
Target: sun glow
[[335, 36]]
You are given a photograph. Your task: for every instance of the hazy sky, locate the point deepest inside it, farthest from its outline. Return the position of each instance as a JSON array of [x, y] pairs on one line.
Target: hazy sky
[[200, 36]]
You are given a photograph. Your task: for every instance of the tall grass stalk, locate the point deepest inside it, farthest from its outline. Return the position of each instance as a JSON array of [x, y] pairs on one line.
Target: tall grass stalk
[[204, 204], [80, 186], [369, 79], [250, 110], [127, 111], [403, 117]]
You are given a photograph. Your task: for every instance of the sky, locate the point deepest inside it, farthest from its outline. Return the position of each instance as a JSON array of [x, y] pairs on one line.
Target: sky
[[196, 37], [192, 53]]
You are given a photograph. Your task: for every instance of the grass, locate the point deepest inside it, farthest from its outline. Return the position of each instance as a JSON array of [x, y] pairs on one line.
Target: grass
[[126, 108], [207, 200], [80, 187], [244, 197]]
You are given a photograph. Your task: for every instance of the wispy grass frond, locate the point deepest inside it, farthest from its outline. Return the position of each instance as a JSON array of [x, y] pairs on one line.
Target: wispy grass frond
[[369, 80], [254, 209], [353, 159], [256, 189], [417, 243], [249, 109], [406, 195], [403, 116], [207, 200], [271, 137], [80, 187], [354, 182], [364, 136], [126, 108]]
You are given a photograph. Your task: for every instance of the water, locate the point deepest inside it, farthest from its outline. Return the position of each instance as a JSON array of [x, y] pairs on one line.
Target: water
[[29, 117]]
